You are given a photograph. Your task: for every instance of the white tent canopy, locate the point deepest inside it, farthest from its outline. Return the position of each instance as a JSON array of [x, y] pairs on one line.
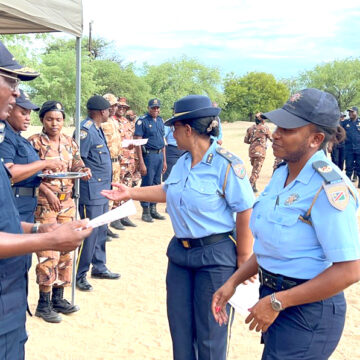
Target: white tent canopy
[[30, 16]]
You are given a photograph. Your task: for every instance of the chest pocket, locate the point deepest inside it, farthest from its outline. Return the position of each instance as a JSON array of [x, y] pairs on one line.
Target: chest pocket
[[203, 195], [100, 155], [21, 155]]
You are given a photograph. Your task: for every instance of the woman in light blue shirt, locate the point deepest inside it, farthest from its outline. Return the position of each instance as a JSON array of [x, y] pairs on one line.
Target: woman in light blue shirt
[[206, 188], [307, 246]]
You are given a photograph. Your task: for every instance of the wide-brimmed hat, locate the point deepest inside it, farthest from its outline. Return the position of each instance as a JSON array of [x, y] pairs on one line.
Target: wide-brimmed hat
[[111, 98], [51, 105], [24, 101], [122, 102], [10, 66], [192, 107], [305, 107]]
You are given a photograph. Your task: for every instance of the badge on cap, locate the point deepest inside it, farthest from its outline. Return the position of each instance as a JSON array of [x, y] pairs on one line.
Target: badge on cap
[[83, 134], [58, 106], [155, 102], [291, 199], [295, 97]]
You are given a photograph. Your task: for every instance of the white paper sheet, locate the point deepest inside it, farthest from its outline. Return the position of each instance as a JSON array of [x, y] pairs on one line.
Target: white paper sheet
[[245, 297], [136, 142], [120, 212]]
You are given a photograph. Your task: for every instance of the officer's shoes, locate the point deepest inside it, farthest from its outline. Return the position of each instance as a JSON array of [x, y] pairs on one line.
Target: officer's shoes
[[354, 178], [61, 305], [127, 222], [83, 285], [112, 234], [146, 215], [154, 214], [44, 309], [117, 225]]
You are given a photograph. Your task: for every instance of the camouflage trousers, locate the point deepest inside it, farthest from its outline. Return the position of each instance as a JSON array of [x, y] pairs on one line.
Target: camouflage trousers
[[257, 163], [115, 178], [54, 267], [126, 173]]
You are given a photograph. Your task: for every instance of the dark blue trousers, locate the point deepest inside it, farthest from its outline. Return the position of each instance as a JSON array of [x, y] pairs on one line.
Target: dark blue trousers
[[352, 163], [338, 156], [172, 155], [93, 249], [193, 276], [305, 332], [154, 164], [12, 344]]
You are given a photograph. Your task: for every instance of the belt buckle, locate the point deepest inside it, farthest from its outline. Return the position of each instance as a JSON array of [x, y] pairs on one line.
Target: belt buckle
[[62, 196], [186, 244]]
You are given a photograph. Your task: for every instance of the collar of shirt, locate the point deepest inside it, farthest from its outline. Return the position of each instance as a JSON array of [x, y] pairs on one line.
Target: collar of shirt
[[207, 156]]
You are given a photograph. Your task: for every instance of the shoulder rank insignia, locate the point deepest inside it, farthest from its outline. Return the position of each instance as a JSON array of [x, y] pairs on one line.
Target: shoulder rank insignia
[[335, 187], [83, 134], [235, 162], [139, 122], [88, 124]]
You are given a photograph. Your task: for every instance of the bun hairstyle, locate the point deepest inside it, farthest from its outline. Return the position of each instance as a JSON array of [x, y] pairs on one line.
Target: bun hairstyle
[[205, 126], [335, 135]]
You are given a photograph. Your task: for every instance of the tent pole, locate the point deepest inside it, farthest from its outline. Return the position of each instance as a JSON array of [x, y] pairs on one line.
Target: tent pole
[[77, 139]]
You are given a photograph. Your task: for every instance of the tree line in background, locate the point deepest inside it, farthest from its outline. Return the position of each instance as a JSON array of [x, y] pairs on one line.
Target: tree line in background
[[103, 71]]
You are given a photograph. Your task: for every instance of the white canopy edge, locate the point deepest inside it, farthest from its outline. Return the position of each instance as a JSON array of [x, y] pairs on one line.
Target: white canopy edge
[[33, 16]]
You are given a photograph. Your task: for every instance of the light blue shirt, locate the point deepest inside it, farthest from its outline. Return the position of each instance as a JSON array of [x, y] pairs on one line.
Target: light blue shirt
[[193, 196], [286, 245], [169, 136]]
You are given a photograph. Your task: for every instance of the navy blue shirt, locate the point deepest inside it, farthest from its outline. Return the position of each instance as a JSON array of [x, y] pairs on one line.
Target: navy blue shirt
[[13, 270], [151, 129], [352, 128], [96, 156]]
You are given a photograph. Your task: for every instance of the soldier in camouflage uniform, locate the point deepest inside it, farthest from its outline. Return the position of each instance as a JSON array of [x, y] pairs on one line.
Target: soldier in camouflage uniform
[[257, 136], [136, 176], [127, 162], [111, 129], [55, 204]]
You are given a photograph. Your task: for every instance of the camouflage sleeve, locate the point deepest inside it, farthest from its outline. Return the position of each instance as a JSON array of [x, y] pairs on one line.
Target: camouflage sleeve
[[247, 136], [34, 141], [77, 163]]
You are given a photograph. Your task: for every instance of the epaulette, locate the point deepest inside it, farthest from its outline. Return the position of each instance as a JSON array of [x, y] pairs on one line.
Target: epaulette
[[236, 163], [2, 131], [88, 124], [335, 187]]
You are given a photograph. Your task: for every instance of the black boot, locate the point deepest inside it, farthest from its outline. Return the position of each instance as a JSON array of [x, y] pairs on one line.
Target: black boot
[[146, 215], [112, 234], [117, 225], [44, 309], [127, 222], [154, 214], [61, 305]]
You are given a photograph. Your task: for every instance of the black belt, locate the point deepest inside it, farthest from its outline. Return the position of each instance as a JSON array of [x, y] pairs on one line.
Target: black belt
[[276, 281], [207, 240], [114, 159], [172, 145], [152, 151], [24, 191]]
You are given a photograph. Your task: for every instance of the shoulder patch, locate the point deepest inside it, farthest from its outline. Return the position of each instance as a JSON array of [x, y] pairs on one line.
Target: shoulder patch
[[139, 122], [2, 126], [338, 195], [83, 134], [236, 163], [88, 124]]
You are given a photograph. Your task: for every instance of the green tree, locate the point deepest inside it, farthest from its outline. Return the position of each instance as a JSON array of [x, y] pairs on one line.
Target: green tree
[[174, 79], [253, 92], [340, 78]]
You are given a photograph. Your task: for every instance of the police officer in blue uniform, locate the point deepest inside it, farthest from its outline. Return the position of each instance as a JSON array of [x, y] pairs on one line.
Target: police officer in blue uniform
[[307, 247], [206, 188], [152, 157], [352, 143], [96, 156], [172, 151], [22, 159], [13, 244]]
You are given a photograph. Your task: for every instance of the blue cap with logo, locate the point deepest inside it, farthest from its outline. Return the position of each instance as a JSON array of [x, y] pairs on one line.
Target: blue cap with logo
[[11, 67], [305, 107], [154, 103], [24, 101]]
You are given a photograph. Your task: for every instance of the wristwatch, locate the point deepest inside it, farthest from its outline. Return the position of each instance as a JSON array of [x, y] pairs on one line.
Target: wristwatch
[[35, 228], [275, 303]]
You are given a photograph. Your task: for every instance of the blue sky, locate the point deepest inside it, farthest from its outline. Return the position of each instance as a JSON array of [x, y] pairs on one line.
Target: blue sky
[[280, 37]]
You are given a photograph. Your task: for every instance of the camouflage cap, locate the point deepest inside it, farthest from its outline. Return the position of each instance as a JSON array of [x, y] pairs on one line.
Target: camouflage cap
[[111, 98]]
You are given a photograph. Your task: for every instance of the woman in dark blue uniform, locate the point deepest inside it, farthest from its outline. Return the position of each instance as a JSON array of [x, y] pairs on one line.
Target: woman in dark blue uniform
[[206, 189], [306, 235], [22, 159]]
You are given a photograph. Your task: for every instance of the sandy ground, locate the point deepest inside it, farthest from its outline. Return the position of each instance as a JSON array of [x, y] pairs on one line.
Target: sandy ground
[[126, 319]]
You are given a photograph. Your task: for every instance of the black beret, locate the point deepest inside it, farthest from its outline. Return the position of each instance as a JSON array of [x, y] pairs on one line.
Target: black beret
[[97, 102], [51, 105]]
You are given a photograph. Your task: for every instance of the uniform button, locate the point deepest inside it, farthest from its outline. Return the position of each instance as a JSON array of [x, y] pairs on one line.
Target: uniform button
[[99, 179], [279, 219]]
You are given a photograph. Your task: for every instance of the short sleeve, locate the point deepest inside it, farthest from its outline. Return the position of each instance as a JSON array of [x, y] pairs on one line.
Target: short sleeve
[[336, 230], [139, 128], [7, 150]]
